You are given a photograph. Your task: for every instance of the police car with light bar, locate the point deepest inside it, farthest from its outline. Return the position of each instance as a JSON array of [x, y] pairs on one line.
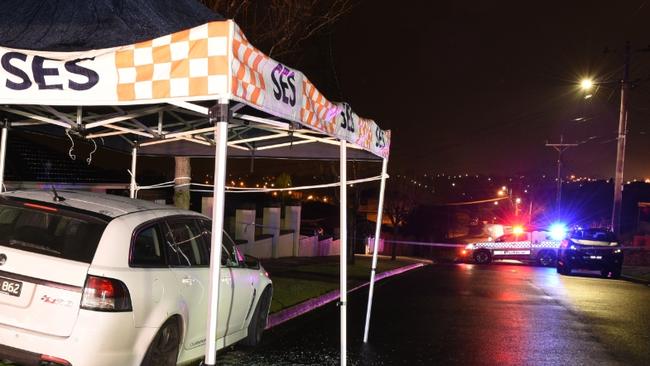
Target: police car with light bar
[[535, 246]]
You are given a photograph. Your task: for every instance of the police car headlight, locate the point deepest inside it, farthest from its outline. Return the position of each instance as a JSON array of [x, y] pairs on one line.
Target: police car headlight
[[469, 247], [573, 247], [616, 251]]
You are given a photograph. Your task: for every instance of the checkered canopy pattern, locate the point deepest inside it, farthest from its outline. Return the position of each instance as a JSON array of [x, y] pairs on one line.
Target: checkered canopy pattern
[[247, 79], [249, 66], [190, 63]]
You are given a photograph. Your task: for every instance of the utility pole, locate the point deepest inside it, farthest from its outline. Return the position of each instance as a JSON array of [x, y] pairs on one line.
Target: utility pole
[[560, 149], [620, 148]]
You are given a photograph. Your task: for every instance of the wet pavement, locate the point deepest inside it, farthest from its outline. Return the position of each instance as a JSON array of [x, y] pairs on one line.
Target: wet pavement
[[466, 314]]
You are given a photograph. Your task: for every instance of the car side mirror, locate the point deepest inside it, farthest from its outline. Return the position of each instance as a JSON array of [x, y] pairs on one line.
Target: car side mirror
[[251, 262]]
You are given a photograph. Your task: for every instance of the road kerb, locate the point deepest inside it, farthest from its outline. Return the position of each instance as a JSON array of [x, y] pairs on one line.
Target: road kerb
[[311, 304], [635, 280]]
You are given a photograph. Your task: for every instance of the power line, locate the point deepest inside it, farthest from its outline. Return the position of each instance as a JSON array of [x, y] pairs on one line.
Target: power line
[[560, 148]]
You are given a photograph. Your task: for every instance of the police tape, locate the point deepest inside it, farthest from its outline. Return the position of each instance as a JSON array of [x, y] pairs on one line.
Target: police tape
[[426, 244], [496, 245]]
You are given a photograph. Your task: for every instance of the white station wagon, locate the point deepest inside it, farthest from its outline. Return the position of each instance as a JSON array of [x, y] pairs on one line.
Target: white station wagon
[[96, 279]]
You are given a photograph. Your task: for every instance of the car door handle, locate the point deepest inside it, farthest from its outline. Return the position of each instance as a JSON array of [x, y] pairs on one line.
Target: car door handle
[[187, 281]]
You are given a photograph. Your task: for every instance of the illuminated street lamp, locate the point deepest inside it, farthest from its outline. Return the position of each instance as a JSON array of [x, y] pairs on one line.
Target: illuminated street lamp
[[586, 84]]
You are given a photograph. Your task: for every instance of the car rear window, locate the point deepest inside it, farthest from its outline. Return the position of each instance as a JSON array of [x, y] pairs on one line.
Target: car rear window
[[47, 230]]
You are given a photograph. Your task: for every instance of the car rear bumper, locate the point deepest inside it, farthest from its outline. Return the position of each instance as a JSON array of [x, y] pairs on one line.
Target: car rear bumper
[[97, 339]]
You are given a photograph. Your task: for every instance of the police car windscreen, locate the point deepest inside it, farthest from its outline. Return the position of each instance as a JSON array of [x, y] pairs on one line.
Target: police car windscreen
[[597, 236]]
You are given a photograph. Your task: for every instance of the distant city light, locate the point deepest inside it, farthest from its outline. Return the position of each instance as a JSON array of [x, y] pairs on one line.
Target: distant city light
[[518, 200], [496, 203]]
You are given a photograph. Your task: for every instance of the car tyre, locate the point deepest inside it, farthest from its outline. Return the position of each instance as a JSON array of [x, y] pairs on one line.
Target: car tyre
[[258, 321], [163, 350], [546, 258], [482, 257], [564, 270]]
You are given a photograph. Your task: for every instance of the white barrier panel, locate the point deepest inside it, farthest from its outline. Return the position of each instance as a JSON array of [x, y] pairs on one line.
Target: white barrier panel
[[308, 246], [324, 247], [285, 245], [335, 247], [260, 249], [370, 245]]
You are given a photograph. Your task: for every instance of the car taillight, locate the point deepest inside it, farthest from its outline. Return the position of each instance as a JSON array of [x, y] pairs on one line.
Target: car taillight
[[105, 294], [564, 244], [51, 360]]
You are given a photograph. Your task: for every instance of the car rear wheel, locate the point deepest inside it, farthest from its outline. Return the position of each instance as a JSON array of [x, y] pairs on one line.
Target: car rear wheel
[[258, 321], [163, 350], [546, 258], [482, 257]]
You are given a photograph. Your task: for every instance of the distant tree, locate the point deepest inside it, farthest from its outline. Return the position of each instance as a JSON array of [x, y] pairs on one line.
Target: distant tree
[[279, 27], [402, 197]]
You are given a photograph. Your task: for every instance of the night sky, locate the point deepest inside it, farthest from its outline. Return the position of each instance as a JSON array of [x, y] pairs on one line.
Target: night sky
[[479, 87]]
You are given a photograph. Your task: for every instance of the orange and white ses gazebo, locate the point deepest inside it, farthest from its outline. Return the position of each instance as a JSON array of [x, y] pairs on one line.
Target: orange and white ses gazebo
[[201, 91]]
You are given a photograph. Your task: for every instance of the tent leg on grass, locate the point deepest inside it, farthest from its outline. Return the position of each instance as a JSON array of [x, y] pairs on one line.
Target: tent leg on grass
[[373, 270], [344, 249], [134, 160], [219, 116], [3, 153]]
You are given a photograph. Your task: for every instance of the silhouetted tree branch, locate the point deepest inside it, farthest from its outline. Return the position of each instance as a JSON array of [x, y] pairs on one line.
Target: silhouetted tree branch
[[278, 27]]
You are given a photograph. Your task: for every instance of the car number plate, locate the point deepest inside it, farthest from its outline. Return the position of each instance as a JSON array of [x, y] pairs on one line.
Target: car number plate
[[595, 257], [10, 287]]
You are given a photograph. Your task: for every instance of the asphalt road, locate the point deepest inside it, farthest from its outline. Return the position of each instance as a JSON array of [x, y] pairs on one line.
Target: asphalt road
[[466, 314]]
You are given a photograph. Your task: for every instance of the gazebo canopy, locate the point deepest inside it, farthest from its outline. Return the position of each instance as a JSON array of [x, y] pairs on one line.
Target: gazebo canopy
[[169, 77], [145, 74]]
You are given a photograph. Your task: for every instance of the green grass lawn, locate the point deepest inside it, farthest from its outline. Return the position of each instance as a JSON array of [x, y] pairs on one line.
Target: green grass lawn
[[304, 282]]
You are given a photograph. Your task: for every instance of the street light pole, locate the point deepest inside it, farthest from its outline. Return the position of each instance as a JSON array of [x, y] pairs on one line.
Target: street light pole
[[560, 149], [620, 149]]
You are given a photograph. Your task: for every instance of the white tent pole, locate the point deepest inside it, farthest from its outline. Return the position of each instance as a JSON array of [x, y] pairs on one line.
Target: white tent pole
[[218, 115], [134, 160], [344, 249], [373, 270], [3, 153]]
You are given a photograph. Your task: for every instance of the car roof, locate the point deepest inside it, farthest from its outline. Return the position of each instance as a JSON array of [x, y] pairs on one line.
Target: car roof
[[103, 204]]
